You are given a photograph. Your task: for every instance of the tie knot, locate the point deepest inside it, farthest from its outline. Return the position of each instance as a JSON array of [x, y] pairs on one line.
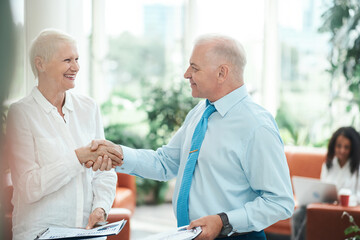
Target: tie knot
[[208, 111]]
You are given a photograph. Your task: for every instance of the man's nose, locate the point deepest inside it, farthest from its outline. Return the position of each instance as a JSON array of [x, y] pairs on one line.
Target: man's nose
[[187, 73]]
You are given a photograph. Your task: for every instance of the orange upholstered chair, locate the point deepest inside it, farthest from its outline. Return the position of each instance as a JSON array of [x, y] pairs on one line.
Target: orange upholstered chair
[[124, 204], [325, 221], [304, 162]]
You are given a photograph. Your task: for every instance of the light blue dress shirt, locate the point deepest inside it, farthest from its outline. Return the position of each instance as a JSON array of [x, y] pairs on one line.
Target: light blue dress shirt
[[241, 168]]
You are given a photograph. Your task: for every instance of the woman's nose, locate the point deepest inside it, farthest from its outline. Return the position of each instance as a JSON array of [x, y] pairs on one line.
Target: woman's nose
[[75, 66]]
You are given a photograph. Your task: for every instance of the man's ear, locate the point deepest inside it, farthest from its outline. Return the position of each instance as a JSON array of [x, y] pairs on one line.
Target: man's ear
[[223, 72], [40, 64]]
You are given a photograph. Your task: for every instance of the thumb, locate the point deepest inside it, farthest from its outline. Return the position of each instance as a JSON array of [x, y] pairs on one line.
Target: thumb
[[191, 225], [90, 225], [194, 224], [94, 145]]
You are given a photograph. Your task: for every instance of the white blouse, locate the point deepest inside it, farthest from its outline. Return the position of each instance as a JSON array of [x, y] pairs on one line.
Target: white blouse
[[51, 187], [342, 178]]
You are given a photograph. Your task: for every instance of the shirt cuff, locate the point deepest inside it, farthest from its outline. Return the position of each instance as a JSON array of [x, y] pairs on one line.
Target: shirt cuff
[[239, 220], [129, 161], [74, 167]]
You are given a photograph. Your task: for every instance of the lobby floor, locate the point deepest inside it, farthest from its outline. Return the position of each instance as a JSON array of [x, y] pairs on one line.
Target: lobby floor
[[152, 219]]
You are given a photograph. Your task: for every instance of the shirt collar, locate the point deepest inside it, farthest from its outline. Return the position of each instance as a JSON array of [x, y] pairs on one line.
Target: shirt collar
[[336, 160], [224, 104], [41, 100], [46, 105], [68, 102]]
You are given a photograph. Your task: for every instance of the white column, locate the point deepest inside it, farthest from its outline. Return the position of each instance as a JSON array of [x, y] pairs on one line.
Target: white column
[[270, 78], [98, 51], [190, 28], [65, 15]]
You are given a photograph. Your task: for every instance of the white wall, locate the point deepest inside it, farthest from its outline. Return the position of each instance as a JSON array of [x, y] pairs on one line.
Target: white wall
[[65, 15]]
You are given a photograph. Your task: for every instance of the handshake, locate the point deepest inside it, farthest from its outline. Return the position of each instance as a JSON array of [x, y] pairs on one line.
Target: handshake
[[100, 154]]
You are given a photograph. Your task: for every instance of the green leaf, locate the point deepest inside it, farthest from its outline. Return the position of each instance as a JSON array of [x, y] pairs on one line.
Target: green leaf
[[351, 229]]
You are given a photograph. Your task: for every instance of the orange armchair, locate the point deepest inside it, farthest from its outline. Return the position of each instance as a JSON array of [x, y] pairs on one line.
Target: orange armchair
[[304, 162], [124, 204], [324, 221]]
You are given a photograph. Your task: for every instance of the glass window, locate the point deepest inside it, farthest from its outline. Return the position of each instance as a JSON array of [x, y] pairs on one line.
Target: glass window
[[304, 112]]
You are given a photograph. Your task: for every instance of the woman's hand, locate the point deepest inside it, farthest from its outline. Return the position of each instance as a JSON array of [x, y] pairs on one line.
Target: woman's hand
[[98, 215]]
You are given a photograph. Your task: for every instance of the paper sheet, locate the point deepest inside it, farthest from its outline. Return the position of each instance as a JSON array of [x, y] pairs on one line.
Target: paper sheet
[[179, 234], [80, 233]]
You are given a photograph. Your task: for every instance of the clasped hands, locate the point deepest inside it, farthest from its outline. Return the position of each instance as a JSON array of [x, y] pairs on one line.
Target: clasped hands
[[100, 154]]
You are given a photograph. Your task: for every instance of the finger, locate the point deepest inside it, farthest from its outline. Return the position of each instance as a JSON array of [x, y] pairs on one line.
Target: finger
[[195, 223], [116, 150], [97, 163], [115, 160], [88, 226], [121, 163], [109, 165], [116, 156], [104, 163], [191, 225], [95, 144], [91, 223], [89, 164]]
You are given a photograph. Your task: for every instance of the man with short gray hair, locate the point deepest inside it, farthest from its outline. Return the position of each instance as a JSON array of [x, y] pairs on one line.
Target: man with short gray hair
[[228, 157]]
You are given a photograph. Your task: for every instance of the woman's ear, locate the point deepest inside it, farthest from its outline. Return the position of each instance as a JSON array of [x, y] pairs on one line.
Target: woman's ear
[[40, 64], [223, 72]]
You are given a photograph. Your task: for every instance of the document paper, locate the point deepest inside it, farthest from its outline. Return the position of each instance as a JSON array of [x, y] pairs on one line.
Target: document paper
[[80, 233], [179, 234]]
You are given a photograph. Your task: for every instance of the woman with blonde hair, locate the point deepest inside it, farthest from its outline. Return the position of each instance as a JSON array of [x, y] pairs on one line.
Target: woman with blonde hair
[[49, 132]]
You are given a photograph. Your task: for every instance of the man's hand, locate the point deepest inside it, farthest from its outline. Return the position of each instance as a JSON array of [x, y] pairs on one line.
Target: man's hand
[[98, 215], [99, 144], [103, 157], [210, 225]]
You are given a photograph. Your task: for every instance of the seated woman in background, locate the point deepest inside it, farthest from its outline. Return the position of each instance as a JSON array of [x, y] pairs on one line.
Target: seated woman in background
[[49, 133], [340, 168], [342, 161]]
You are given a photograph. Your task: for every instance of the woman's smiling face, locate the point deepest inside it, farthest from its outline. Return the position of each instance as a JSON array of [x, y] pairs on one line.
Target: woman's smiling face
[[342, 148], [61, 70]]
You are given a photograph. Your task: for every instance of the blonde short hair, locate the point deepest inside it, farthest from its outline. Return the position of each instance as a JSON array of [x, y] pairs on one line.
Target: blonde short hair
[[46, 44]]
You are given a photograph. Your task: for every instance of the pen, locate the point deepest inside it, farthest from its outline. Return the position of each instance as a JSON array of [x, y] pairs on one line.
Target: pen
[[41, 233], [98, 224]]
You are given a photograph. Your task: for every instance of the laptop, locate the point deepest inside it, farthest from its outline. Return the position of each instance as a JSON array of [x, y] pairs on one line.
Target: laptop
[[312, 190]]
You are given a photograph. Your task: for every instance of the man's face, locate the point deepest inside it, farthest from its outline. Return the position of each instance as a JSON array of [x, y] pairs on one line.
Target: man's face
[[202, 73]]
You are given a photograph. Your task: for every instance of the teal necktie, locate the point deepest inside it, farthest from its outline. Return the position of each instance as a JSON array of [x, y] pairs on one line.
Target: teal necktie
[[196, 141]]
